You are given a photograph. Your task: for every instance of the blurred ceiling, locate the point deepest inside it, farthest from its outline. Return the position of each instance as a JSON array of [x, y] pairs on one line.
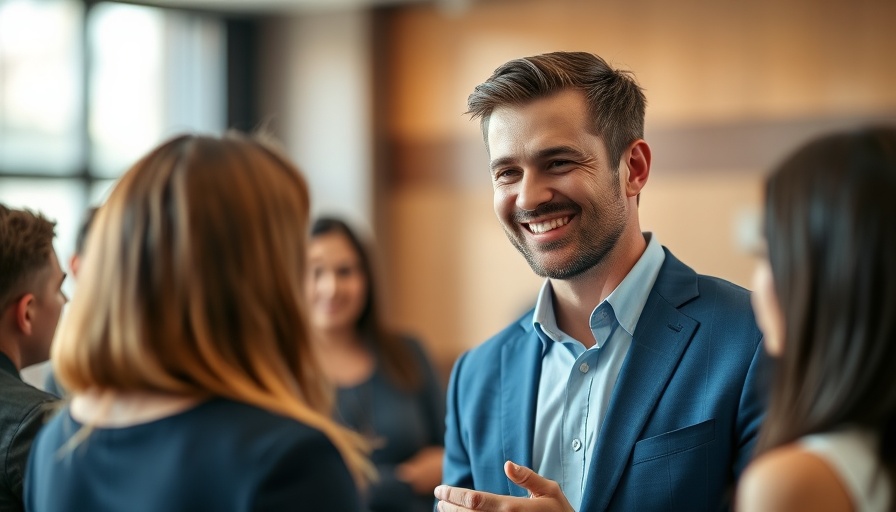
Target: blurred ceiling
[[297, 6]]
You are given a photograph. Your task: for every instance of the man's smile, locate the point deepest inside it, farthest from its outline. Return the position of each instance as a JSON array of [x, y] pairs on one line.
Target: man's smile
[[547, 225]]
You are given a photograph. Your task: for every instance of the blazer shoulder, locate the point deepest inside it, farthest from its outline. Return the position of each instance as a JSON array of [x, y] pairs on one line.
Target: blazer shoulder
[[520, 327], [488, 353], [718, 287], [704, 298], [722, 306], [724, 295]]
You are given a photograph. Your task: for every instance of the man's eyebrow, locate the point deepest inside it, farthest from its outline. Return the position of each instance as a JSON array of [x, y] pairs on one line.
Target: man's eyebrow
[[500, 162], [557, 151]]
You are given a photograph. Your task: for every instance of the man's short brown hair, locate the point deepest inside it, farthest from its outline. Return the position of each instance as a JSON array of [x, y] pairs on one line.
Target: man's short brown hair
[[26, 245], [616, 102]]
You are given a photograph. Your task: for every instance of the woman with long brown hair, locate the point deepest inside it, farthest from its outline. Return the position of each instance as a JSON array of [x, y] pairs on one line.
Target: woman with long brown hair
[[186, 349], [825, 299], [386, 386]]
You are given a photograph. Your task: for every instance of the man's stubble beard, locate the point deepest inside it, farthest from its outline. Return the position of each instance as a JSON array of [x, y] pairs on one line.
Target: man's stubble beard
[[580, 263], [591, 248]]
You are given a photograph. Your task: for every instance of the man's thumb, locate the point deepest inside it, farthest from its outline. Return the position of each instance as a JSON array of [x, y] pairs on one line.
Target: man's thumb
[[530, 480]]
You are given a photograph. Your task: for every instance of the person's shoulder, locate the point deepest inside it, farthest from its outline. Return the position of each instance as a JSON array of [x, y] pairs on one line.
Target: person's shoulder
[[266, 439], [793, 479], [251, 421], [247, 433], [418, 351], [20, 399], [412, 344], [300, 466], [244, 417], [723, 298], [512, 331], [57, 427], [722, 287], [682, 285], [489, 351]]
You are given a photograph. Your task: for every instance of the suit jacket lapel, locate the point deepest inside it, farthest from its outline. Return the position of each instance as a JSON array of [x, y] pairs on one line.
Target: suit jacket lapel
[[660, 338], [520, 374]]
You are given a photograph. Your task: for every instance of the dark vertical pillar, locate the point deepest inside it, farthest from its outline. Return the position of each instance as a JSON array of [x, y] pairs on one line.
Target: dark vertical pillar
[[242, 73]]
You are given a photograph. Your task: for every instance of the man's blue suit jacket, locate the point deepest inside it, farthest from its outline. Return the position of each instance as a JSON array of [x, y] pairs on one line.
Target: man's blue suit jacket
[[681, 423]]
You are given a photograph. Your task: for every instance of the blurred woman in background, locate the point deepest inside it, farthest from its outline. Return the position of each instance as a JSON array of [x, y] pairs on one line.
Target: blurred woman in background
[[186, 350], [825, 298], [387, 388]]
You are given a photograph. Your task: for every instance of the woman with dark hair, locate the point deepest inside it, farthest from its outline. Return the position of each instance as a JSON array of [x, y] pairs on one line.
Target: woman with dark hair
[[825, 298], [386, 386]]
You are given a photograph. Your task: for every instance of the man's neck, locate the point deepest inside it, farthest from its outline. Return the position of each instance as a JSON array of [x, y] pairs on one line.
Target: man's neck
[[576, 298]]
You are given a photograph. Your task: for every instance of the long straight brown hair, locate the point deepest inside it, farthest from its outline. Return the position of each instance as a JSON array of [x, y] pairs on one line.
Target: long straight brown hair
[[193, 285], [830, 224]]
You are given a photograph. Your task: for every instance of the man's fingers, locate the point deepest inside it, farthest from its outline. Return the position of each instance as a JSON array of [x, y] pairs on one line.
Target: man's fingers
[[547, 494], [536, 484], [458, 499]]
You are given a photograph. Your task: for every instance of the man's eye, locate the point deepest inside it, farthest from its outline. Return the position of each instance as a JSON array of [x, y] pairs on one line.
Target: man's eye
[[560, 163], [505, 174]]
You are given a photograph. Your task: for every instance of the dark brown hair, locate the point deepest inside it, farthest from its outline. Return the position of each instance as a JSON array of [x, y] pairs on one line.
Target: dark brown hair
[[26, 244], [829, 221], [393, 352], [615, 100]]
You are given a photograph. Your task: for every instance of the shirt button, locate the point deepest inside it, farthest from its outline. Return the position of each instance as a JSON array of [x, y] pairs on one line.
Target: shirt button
[[576, 445], [584, 368]]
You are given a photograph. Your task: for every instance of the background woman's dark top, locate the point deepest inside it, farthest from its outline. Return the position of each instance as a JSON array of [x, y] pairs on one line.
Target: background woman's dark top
[[401, 422]]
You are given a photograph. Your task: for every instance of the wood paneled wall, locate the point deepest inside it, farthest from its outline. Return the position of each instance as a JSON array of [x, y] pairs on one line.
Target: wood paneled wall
[[731, 87]]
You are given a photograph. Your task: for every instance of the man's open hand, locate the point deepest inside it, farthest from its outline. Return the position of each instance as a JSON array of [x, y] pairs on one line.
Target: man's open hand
[[544, 495]]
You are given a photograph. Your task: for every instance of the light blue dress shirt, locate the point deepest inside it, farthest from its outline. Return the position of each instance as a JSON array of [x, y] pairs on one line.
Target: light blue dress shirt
[[576, 384]]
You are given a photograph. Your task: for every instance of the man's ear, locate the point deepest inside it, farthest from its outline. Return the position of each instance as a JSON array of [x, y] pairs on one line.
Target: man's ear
[[637, 161], [24, 313]]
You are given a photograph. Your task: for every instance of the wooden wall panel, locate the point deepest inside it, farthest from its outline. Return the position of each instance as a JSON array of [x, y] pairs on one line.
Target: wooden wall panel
[[731, 86]]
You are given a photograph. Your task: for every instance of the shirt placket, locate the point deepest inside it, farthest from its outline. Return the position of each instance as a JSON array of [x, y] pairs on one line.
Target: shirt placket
[[579, 418]]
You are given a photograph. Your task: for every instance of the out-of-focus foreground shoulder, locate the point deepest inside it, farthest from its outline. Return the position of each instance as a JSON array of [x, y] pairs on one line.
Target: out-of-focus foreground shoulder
[[791, 479]]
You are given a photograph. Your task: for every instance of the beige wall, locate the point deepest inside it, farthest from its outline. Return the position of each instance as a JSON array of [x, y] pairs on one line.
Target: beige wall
[[731, 87], [316, 98]]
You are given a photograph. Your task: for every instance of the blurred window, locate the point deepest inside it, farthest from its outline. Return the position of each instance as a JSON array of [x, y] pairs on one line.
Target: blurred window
[[41, 69], [154, 72], [86, 88]]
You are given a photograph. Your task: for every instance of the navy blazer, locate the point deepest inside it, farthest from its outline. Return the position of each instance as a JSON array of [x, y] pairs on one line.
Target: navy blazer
[[682, 420]]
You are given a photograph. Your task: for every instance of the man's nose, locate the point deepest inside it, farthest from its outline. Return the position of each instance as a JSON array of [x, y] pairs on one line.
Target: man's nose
[[533, 191]]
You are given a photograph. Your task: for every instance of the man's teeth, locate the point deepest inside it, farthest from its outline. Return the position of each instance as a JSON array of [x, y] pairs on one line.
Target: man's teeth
[[542, 227]]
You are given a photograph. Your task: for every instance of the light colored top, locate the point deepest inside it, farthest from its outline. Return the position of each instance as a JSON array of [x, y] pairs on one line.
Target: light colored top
[[852, 454], [576, 384]]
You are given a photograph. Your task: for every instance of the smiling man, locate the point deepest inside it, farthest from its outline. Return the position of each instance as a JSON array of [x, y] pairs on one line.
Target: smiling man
[[31, 300], [632, 383]]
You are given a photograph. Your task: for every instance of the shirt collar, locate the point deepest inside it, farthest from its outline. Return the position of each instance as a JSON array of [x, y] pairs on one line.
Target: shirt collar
[[629, 297], [627, 300], [543, 318]]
